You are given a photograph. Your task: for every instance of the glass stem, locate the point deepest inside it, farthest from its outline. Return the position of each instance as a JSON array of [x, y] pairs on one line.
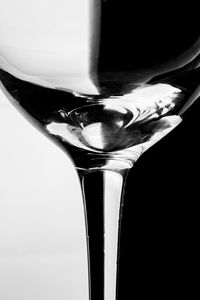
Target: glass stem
[[102, 195]]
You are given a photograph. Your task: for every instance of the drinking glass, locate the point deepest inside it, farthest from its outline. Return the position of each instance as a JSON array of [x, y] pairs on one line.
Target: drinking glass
[[104, 80]]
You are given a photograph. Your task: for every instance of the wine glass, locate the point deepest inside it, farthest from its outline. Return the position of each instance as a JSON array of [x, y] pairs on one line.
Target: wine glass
[[105, 80]]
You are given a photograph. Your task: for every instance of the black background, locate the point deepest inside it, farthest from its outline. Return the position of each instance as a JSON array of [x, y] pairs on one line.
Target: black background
[[160, 233]]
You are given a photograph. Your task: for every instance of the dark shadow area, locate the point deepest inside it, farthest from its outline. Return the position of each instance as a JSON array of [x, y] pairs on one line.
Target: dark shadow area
[[159, 245]]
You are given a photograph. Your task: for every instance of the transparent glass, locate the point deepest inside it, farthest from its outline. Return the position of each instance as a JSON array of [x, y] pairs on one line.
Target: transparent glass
[[105, 80]]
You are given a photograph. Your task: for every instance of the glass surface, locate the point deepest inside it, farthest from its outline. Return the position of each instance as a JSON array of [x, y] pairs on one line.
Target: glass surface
[[105, 80]]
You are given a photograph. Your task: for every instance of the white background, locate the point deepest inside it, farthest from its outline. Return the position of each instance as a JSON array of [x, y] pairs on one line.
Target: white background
[[42, 235]]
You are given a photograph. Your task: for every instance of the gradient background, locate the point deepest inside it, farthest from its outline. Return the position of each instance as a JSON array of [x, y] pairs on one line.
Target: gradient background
[[42, 237]]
